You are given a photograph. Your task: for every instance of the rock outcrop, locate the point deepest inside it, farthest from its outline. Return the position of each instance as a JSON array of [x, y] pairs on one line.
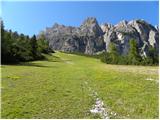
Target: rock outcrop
[[91, 38], [88, 38], [145, 35]]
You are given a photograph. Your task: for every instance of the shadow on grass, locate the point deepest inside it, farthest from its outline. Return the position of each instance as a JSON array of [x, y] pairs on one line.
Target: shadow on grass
[[51, 58], [29, 64], [46, 57], [66, 60]]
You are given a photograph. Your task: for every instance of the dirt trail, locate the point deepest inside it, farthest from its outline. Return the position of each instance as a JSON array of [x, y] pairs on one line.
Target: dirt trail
[[99, 108]]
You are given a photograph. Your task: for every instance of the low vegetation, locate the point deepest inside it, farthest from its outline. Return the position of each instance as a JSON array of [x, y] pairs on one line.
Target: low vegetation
[[56, 88]]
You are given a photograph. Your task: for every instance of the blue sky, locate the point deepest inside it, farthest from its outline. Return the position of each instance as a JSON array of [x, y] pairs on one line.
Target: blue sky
[[32, 17]]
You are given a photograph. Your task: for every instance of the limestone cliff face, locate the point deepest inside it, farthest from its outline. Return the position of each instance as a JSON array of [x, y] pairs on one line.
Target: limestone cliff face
[[88, 38], [91, 37], [145, 34]]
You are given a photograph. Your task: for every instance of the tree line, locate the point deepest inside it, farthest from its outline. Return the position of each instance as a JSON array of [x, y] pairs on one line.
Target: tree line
[[19, 47], [132, 58]]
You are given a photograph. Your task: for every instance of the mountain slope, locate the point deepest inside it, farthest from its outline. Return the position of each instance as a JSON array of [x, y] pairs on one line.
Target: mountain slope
[[61, 88]]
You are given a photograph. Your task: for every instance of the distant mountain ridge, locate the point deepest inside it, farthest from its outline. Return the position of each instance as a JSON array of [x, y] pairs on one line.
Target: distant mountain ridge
[[91, 38]]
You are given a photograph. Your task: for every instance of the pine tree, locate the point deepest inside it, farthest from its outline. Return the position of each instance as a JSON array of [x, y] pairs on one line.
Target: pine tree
[[153, 55], [113, 54], [43, 44], [34, 46], [133, 55]]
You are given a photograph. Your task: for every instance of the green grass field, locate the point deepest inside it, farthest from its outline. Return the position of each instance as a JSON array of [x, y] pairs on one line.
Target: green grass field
[[56, 88]]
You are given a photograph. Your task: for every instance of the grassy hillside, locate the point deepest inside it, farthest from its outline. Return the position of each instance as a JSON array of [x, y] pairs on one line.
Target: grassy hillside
[[61, 87]]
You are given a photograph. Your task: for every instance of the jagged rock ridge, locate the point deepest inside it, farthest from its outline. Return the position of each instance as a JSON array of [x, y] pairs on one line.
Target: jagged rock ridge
[[88, 38], [145, 34], [91, 37]]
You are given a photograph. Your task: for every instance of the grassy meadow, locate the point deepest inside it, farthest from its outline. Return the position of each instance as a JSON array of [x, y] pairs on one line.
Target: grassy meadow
[[56, 88]]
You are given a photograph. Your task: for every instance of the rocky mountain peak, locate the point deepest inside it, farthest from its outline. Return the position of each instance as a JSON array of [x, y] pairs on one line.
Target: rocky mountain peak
[[122, 23], [55, 25], [91, 26], [106, 27], [90, 21], [91, 38], [58, 26]]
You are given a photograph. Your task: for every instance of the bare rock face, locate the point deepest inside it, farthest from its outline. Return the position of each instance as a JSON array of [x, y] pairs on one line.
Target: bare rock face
[[90, 38], [92, 34], [145, 35]]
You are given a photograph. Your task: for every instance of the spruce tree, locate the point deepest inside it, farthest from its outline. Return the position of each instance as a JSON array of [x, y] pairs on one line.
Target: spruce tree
[[34, 46], [113, 54], [43, 44], [133, 55]]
